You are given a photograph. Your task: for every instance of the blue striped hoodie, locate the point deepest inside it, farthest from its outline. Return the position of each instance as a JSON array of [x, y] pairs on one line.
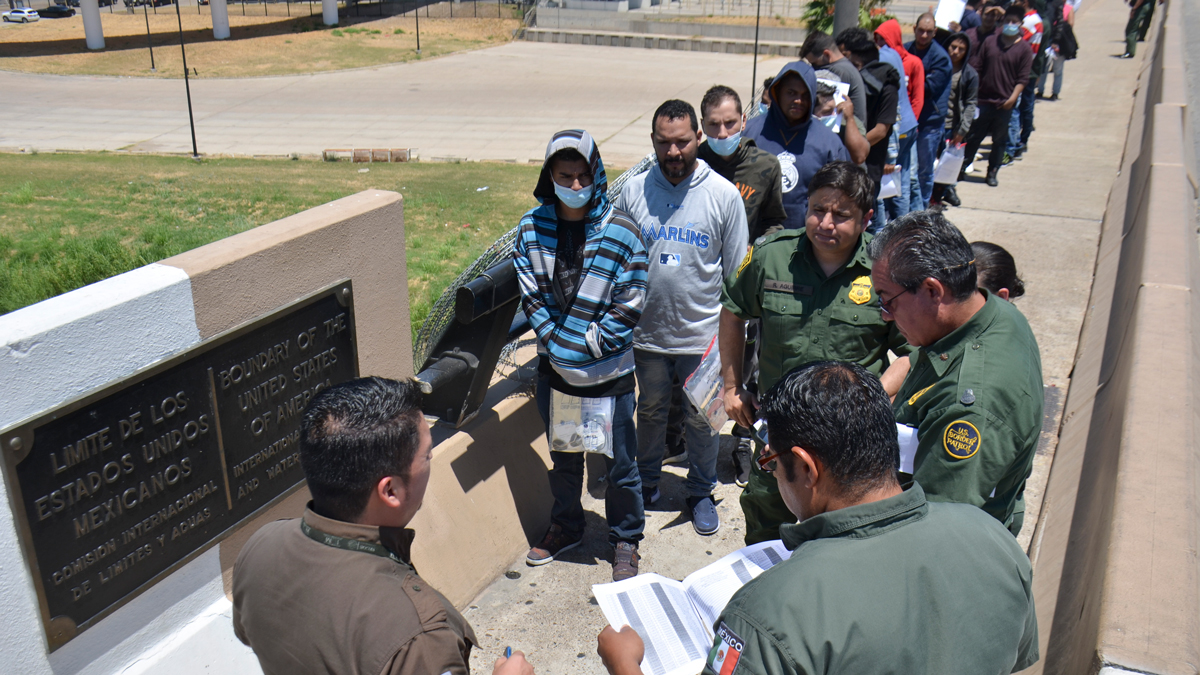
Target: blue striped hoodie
[[590, 341]]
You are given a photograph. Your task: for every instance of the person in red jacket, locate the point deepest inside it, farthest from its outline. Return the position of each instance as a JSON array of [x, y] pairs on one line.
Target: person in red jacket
[[888, 35]]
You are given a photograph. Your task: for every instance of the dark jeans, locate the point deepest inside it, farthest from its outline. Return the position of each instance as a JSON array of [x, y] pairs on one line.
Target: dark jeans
[[929, 139], [992, 121], [655, 374], [623, 489]]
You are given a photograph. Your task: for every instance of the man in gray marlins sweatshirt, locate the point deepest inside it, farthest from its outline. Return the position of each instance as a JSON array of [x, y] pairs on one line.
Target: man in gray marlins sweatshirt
[[694, 225]]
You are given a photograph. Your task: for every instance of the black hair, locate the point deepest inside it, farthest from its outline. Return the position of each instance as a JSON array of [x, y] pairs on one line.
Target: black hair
[[849, 180], [996, 269], [768, 82], [859, 42], [926, 15], [923, 245], [716, 95], [352, 435], [816, 43], [1014, 10], [675, 109], [839, 413]]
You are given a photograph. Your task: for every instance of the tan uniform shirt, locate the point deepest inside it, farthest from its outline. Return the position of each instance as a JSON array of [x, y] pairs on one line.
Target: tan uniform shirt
[[307, 607]]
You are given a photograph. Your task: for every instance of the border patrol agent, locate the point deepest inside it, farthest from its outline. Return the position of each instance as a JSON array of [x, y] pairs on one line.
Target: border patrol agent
[[334, 592], [974, 393], [879, 579], [812, 290]]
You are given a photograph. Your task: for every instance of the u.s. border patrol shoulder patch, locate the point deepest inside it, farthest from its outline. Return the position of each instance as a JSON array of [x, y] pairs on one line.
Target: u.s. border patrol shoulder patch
[[961, 439], [727, 650], [745, 261], [860, 290]]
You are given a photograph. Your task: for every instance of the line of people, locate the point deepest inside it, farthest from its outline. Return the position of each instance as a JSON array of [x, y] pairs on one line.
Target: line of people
[[759, 223]]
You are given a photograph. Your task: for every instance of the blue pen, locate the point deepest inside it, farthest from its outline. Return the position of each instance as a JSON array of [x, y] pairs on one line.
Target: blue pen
[[508, 652]]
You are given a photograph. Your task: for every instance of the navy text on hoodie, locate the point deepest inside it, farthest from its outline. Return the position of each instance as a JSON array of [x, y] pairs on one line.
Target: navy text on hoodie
[[802, 149]]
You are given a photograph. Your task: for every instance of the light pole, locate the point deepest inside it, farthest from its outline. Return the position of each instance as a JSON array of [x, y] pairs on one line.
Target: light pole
[[149, 44], [186, 85], [754, 72], [417, 14]]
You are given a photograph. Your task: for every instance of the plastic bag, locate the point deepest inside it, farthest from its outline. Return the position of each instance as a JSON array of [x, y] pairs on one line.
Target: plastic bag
[[581, 424], [949, 165], [703, 387], [889, 185]]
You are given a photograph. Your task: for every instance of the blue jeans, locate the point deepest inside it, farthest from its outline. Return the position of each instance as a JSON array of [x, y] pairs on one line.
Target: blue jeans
[[655, 373], [623, 489], [1022, 120], [1056, 67], [929, 139], [902, 203]]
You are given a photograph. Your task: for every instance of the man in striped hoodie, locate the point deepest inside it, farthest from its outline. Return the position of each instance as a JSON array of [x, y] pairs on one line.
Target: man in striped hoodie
[[581, 265]]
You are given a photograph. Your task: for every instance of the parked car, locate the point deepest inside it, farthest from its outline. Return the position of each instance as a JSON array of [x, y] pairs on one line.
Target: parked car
[[20, 15], [56, 12], [160, 3]]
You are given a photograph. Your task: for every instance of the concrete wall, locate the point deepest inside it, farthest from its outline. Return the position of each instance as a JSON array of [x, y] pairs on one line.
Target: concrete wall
[[582, 19], [57, 350], [1116, 575]]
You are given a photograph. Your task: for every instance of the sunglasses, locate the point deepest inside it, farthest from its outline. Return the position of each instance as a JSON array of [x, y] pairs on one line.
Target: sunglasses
[[886, 305], [769, 460]]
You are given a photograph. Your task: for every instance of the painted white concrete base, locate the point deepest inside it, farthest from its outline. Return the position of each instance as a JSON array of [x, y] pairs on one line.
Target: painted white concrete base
[[56, 351], [220, 19], [329, 12], [92, 30]]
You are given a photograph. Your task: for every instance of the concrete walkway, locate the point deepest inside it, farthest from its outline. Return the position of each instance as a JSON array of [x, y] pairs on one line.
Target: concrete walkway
[[1046, 211], [495, 104]]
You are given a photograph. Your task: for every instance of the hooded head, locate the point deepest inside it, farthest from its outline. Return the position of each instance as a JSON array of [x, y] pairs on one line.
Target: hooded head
[[889, 32], [581, 142], [793, 88], [966, 42]]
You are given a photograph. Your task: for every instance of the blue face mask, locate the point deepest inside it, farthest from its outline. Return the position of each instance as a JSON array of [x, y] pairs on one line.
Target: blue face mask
[[725, 146], [762, 108], [573, 199], [1011, 29]]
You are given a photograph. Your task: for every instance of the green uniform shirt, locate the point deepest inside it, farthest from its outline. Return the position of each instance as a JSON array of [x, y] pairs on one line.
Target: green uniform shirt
[[975, 398], [807, 316], [895, 586]]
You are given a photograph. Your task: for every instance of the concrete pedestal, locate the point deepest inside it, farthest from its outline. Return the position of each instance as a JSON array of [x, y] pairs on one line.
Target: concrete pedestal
[[92, 30], [329, 12], [220, 19]]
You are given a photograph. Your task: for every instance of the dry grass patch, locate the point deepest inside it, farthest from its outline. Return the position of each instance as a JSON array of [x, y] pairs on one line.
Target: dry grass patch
[[257, 46]]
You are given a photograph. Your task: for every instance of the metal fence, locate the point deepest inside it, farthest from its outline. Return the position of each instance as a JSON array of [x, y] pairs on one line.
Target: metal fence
[[480, 9]]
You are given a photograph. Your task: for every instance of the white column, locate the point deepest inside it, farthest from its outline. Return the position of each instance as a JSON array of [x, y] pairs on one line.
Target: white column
[[220, 19], [91, 24], [329, 12]]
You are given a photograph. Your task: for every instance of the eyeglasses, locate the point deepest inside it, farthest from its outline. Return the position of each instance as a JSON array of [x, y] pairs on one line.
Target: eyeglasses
[[768, 460], [886, 305]]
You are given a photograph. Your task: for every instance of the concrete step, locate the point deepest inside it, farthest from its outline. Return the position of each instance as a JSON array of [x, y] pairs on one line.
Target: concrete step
[[694, 43]]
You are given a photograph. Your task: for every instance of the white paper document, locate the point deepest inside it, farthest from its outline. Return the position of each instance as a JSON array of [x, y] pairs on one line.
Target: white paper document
[[889, 185], [947, 11], [675, 619], [908, 446]]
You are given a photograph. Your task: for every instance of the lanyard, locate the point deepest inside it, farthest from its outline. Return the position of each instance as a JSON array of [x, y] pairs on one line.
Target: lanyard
[[347, 544]]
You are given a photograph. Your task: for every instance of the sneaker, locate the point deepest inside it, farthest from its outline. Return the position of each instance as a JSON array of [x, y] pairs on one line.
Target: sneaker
[[704, 515], [1007, 161], [625, 561], [1053, 97], [741, 462], [555, 542], [1040, 95], [1126, 55], [991, 179], [950, 196], [649, 498]]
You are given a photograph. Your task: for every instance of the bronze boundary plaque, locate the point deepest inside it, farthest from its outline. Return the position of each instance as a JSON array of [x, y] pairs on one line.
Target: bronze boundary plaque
[[119, 488]]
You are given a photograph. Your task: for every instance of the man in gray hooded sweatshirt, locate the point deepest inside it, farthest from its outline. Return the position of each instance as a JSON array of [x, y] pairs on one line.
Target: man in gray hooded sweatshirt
[[694, 226]]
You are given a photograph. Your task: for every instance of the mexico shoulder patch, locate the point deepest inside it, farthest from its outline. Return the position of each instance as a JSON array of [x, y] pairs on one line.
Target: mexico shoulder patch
[[961, 439], [860, 291], [726, 651]]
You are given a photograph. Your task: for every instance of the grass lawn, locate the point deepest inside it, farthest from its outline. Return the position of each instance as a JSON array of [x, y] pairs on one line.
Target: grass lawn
[[257, 46], [70, 220]]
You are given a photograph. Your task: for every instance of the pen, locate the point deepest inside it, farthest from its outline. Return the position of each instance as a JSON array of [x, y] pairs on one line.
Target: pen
[[508, 652]]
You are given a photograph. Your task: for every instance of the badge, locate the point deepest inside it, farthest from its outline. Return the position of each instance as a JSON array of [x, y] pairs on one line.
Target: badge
[[727, 649], [917, 395], [745, 261], [791, 177], [961, 440], [860, 291]]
